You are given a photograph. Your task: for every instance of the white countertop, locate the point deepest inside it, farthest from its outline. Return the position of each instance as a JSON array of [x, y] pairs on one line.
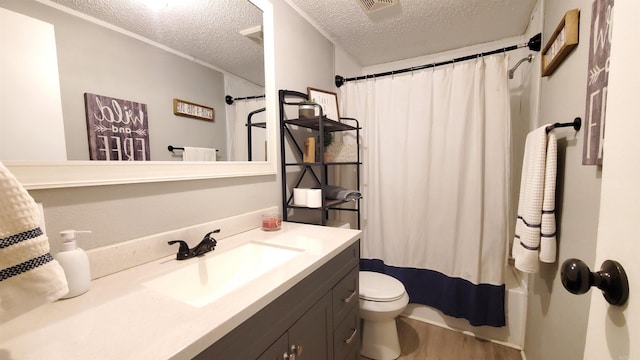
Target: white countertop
[[119, 318]]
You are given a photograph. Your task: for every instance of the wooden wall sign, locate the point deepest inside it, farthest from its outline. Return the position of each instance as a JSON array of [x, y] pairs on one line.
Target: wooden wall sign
[[116, 129], [562, 41], [597, 81], [192, 110]]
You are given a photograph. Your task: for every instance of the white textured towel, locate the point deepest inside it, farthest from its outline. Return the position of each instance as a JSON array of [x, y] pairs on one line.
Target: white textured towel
[[535, 235], [199, 154], [29, 276], [548, 227]]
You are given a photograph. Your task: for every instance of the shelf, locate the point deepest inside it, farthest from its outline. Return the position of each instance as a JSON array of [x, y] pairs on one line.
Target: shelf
[[314, 123], [319, 163], [328, 204], [293, 133]]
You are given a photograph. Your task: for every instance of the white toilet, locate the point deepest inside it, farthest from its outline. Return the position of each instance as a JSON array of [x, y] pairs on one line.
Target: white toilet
[[382, 299]]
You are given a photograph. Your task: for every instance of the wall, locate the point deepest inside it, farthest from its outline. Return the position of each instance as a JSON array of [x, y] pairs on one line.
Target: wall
[[345, 65], [613, 331], [94, 59], [304, 58], [123, 212], [30, 90], [556, 319]]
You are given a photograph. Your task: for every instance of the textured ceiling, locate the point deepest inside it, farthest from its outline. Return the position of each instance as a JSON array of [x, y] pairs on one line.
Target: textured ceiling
[[205, 29], [416, 27], [208, 29]]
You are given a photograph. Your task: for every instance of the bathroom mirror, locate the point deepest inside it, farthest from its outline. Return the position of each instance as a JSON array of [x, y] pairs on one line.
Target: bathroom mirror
[[38, 174]]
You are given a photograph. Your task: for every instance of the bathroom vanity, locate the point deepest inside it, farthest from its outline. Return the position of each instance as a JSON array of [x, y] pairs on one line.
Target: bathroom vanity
[[298, 296], [315, 319]]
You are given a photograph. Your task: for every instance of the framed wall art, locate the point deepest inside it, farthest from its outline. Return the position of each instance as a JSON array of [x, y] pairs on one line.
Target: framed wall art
[[327, 100], [118, 130], [192, 110]]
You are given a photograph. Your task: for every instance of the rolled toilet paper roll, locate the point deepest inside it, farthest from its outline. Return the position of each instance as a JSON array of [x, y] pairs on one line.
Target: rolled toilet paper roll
[[300, 196], [314, 198]]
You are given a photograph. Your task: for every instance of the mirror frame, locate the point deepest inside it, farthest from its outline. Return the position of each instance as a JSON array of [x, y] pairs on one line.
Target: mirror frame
[[64, 174]]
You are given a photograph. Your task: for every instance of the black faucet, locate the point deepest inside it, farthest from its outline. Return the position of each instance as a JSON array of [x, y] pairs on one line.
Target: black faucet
[[207, 244]]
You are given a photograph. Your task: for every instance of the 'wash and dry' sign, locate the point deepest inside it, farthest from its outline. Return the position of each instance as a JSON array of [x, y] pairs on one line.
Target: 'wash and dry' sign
[[117, 129]]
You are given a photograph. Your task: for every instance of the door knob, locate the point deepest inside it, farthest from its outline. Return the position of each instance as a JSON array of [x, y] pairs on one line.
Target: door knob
[[577, 278]]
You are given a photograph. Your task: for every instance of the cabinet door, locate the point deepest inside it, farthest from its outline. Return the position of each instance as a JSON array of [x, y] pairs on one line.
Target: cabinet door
[[277, 350], [346, 337], [312, 334], [345, 296]]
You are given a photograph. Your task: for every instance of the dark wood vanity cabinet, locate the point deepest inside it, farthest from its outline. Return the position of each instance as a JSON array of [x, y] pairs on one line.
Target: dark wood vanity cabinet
[[309, 338], [317, 319]]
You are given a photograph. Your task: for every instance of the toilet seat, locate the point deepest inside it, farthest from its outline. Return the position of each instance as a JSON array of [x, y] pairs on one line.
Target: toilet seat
[[379, 287]]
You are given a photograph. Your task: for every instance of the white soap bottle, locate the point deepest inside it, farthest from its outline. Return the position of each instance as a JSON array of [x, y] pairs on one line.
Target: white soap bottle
[[75, 263]]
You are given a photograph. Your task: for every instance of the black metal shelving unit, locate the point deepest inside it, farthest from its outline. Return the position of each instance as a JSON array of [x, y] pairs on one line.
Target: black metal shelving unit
[[317, 171]]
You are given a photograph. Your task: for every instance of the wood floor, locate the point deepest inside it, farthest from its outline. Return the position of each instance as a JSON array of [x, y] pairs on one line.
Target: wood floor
[[419, 340]]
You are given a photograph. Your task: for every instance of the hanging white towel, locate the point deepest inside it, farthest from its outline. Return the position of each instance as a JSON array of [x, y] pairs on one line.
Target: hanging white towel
[[198, 154], [535, 226], [29, 276], [548, 247]]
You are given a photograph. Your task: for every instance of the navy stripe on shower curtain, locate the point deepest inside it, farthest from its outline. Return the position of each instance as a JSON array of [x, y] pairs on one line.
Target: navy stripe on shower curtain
[[482, 304]]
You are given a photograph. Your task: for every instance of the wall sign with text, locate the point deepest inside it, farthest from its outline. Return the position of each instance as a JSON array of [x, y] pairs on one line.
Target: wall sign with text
[[192, 110], [597, 81], [116, 129]]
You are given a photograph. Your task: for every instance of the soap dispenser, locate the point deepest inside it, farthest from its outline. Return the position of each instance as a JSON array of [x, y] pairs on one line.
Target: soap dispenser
[[75, 263]]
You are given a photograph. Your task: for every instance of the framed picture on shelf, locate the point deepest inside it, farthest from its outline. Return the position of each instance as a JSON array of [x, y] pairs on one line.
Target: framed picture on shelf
[[327, 100], [189, 109]]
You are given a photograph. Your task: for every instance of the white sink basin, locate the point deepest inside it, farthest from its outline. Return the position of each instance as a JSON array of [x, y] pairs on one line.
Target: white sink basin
[[211, 277]]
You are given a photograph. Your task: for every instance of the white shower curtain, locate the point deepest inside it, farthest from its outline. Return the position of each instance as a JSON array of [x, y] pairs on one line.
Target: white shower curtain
[[237, 145], [436, 157]]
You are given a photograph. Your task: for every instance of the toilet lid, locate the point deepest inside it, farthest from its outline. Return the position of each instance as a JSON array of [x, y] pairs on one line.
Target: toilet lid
[[379, 287]]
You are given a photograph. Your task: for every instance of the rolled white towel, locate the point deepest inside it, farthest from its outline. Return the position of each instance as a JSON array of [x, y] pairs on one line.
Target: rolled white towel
[[548, 246]]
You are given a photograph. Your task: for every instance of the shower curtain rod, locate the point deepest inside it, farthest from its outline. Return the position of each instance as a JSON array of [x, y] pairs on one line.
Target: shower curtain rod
[[230, 99], [533, 44]]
